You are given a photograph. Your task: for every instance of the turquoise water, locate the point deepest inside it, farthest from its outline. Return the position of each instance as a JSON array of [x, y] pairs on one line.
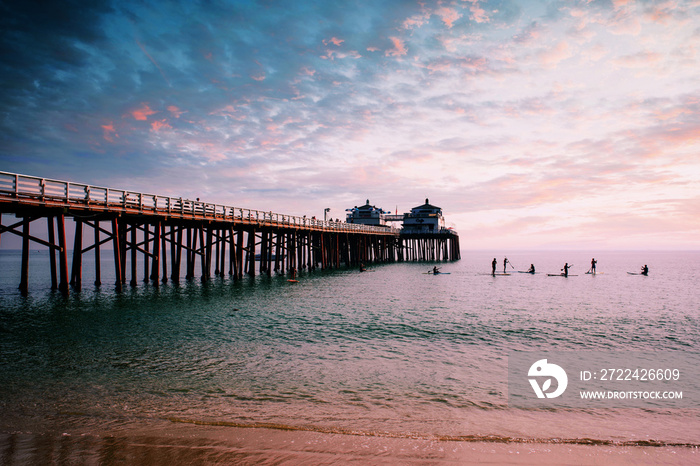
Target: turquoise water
[[391, 352]]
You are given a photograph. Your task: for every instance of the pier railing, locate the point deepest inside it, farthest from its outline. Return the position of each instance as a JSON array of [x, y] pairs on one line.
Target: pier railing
[[43, 191]]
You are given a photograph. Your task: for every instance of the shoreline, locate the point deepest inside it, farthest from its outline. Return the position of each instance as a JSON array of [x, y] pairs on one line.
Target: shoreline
[[168, 442]]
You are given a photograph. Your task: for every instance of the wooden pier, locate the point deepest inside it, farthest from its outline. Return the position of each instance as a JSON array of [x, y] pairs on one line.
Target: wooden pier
[[155, 232]]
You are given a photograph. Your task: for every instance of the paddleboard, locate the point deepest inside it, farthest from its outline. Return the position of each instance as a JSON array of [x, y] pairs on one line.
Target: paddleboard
[[293, 281], [439, 273], [561, 275], [597, 273], [531, 273], [634, 273]]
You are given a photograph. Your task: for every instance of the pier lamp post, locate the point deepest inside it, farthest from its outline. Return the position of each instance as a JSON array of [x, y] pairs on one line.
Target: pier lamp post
[[325, 213]]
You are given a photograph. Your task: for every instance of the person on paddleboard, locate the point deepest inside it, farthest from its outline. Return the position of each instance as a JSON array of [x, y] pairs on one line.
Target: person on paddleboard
[[505, 262], [566, 269], [531, 269], [493, 266], [362, 267], [593, 263], [645, 270], [436, 270]]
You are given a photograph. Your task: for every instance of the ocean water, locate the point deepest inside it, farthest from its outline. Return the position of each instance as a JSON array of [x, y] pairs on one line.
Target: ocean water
[[393, 352]]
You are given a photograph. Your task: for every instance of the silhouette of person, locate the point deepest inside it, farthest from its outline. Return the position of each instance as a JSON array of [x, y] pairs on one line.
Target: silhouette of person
[[566, 269], [645, 270], [436, 270], [505, 262], [493, 266], [593, 263], [531, 269]]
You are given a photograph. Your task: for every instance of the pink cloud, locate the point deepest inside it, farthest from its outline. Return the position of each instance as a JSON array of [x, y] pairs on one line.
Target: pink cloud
[[333, 54], [333, 40], [617, 4], [176, 112], [160, 124], [143, 113], [556, 54], [659, 15], [418, 20], [448, 16], [109, 133], [625, 24], [398, 50], [641, 59], [478, 14], [529, 34]]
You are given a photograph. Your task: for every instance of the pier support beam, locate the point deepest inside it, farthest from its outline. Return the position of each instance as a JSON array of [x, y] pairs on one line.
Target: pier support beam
[[24, 281]]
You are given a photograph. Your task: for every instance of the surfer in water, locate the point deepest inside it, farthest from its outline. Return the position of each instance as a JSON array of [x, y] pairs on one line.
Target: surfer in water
[[531, 269], [593, 263], [566, 269], [645, 270], [493, 266]]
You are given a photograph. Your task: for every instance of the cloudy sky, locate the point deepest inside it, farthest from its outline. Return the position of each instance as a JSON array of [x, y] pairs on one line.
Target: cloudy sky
[[533, 124]]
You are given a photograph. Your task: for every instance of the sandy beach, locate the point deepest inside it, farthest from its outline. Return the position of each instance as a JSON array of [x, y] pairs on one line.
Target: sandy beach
[[168, 443]]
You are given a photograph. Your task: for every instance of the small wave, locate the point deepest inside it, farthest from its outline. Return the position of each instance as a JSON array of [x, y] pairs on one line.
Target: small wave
[[440, 438]]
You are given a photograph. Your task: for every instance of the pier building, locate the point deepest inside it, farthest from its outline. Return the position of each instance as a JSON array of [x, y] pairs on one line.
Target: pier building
[[366, 215]]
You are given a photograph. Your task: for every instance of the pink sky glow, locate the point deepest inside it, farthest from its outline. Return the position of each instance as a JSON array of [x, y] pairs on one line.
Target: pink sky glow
[[533, 125]]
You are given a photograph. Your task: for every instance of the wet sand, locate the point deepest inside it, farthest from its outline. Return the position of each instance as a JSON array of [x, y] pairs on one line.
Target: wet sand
[[166, 443]]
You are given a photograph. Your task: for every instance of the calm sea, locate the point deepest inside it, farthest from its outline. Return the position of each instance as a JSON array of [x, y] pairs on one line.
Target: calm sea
[[392, 352]]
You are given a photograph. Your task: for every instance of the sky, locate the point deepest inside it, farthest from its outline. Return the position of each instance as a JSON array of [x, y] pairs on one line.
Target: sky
[[533, 124]]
